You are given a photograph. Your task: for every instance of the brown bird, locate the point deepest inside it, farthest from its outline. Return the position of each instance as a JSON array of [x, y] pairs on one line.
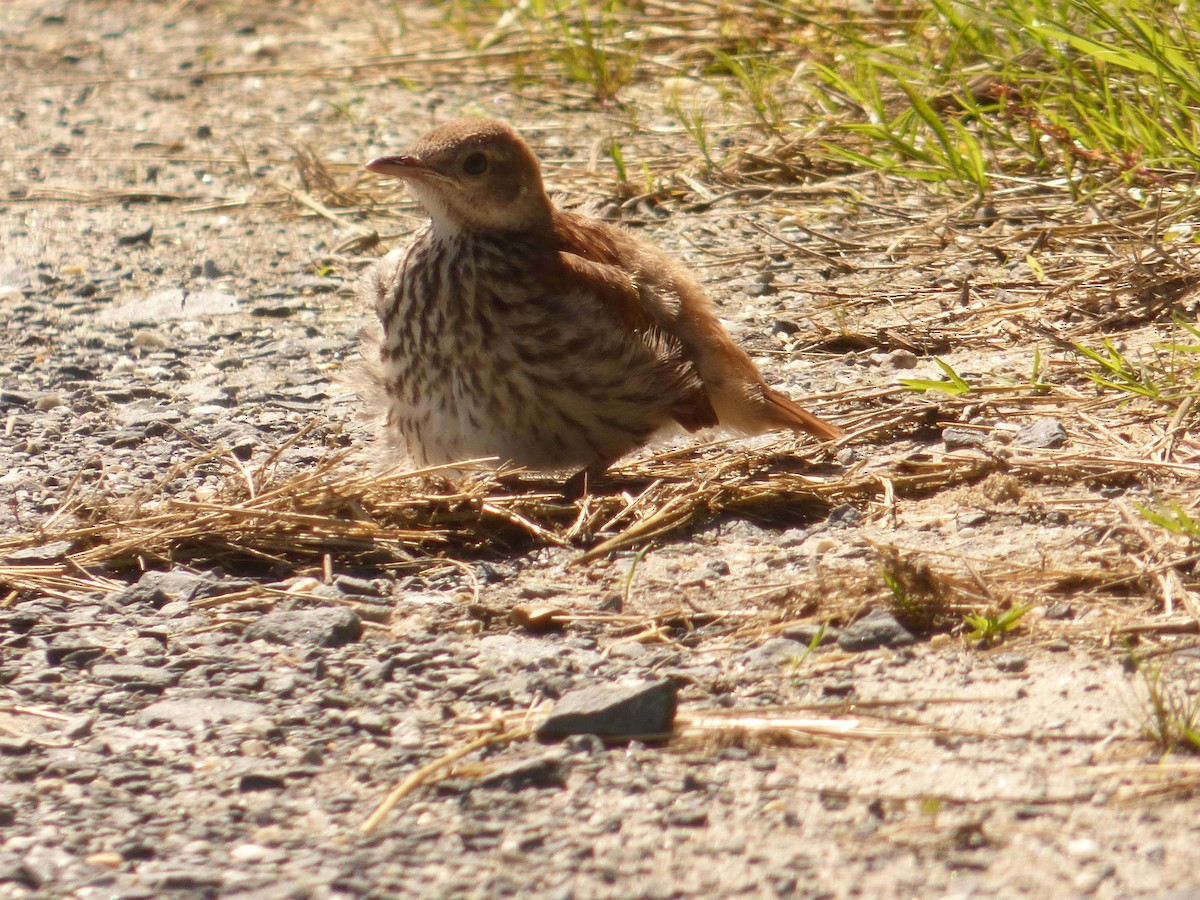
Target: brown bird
[[550, 339]]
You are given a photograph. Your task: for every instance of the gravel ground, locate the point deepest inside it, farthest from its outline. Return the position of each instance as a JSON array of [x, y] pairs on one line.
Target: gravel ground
[[164, 298]]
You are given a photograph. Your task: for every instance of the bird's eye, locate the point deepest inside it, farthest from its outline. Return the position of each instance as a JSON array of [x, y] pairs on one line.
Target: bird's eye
[[475, 164]]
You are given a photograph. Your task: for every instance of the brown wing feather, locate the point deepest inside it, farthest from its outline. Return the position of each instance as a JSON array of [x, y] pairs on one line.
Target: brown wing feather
[[621, 294], [650, 291]]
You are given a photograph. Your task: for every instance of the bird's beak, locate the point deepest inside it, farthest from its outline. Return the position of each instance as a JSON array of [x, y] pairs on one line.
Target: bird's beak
[[404, 167]]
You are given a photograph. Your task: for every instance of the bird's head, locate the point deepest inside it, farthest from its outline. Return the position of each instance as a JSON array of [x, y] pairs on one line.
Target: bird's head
[[473, 175]]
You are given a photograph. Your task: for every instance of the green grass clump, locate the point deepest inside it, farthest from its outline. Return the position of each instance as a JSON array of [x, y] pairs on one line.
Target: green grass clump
[[1171, 718], [969, 91]]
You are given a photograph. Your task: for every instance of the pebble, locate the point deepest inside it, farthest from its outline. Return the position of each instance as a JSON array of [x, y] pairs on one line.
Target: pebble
[[878, 628], [249, 853], [1042, 434], [775, 654], [39, 555], [330, 626], [542, 771], [963, 438], [1010, 662], [637, 710], [134, 676], [199, 712]]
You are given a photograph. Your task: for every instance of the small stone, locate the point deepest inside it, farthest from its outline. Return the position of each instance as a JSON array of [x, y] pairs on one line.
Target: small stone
[[687, 816], [14, 745], [774, 654], [1060, 611], [135, 676], [107, 860], [1042, 434], [330, 626], [878, 628], [639, 710], [252, 782], [359, 587], [971, 519], [901, 359], [1088, 881], [1083, 848], [249, 853], [44, 554], [844, 516], [963, 438], [141, 236], [1010, 662], [786, 326], [199, 712], [543, 771]]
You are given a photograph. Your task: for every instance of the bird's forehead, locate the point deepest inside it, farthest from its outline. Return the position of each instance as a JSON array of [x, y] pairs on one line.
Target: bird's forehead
[[462, 134]]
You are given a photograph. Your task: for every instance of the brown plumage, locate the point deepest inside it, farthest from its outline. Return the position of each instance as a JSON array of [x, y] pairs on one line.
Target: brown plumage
[[515, 330]]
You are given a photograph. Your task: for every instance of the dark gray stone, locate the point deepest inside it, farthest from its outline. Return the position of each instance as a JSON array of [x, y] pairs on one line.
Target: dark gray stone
[[640, 710], [879, 628], [160, 588], [1042, 434], [134, 676], [962, 438], [543, 771], [1010, 662], [330, 626], [53, 552], [774, 654]]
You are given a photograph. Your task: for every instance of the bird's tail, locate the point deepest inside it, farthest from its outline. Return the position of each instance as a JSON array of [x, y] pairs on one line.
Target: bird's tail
[[787, 413]]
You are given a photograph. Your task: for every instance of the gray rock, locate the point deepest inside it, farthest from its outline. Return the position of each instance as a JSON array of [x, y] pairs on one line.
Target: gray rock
[[1042, 434], [199, 712], [359, 587], [844, 516], [962, 438], [541, 771], [639, 710], [774, 654], [53, 552], [1060, 611], [141, 236], [330, 626], [134, 676], [1010, 662], [160, 588], [687, 815], [879, 628], [901, 359]]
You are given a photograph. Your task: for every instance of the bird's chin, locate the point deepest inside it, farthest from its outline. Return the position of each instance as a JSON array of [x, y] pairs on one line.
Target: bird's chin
[[447, 221]]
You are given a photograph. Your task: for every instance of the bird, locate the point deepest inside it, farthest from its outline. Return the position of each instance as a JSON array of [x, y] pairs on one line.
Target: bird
[[519, 332]]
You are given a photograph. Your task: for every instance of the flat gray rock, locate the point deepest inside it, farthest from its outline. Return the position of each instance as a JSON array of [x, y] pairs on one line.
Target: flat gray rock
[[877, 628], [199, 712], [1043, 434], [639, 710], [330, 626], [121, 673]]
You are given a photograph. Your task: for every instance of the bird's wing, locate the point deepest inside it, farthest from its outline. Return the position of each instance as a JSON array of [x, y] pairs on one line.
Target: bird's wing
[[654, 294], [645, 314]]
